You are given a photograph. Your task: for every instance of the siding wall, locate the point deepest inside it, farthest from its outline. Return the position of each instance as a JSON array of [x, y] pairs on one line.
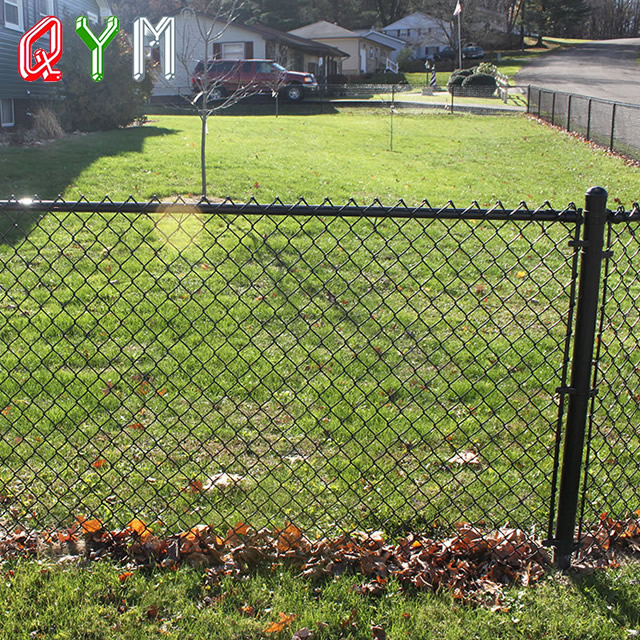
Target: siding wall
[[190, 49], [11, 84]]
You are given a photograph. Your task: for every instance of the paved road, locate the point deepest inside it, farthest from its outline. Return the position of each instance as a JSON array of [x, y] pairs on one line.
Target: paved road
[[605, 69]]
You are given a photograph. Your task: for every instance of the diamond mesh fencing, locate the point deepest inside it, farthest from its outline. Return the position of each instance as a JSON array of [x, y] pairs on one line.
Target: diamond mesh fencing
[[610, 124], [612, 473], [340, 368]]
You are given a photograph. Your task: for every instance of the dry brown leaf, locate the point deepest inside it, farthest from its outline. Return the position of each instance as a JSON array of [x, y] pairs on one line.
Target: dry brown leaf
[[223, 481], [302, 634], [89, 526], [5, 412], [289, 538], [285, 621], [100, 462], [378, 632], [136, 426], [139, 527]]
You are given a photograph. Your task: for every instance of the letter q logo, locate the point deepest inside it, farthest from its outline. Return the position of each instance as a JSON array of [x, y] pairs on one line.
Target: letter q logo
[[45, 59]]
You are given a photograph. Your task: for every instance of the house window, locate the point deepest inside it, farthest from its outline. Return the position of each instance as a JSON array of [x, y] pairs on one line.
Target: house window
[[44, 8], [92, 17], [7, 115], [13, 14], [371, 52], [233, 50]]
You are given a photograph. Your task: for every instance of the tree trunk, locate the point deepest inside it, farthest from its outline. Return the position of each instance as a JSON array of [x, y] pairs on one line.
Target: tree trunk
[[203, 148]]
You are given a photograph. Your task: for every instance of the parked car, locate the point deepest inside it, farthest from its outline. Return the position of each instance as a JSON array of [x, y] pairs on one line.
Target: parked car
[[258, 76], [447, 53], [472, 52]]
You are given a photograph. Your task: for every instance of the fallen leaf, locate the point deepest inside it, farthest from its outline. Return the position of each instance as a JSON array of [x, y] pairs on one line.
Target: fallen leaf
[[139, 527], [302, 634], [136, 426], [195, 486], [100, 462], [470, 458], [378, 632], [289, 538], [161, 392], [123, 576], [89, 526], [521, 274], [108, 388], [222, 481], [152, 611], [5, 412], [285, 621]]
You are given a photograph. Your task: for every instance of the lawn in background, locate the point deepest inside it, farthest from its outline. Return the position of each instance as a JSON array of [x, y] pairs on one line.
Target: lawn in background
[[86, 300], [339, 156]]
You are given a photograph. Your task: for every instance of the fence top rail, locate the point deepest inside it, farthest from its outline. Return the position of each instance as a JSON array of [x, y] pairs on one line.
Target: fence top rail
[[301, 208], [578, 95]]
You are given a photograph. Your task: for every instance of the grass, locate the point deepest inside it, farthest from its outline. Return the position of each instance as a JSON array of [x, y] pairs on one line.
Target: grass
[[341, 156], [336, 365], [68, 603]]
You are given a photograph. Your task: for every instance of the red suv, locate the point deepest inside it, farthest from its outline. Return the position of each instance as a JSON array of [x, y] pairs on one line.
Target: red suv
[[224, 77]]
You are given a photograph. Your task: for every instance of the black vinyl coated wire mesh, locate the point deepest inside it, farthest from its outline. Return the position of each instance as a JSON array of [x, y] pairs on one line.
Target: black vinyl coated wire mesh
[[610, 124], [345, 367]]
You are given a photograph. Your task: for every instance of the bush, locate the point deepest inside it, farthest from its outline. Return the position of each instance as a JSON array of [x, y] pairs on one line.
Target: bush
[[459, 76], [480, 79], [114, 102], [46, 125]]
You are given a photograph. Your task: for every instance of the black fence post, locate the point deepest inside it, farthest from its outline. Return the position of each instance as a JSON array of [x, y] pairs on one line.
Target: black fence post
[[613, 127], [589, 120], [553, 109], [569, 114], [581, 372]]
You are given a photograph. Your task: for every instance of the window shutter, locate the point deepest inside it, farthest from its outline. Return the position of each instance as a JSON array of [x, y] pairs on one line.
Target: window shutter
[[217, 51], [248, 50], [1, 11]]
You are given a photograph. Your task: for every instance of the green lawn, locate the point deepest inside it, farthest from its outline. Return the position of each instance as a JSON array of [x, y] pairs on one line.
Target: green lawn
[[341, 156], [335, 365], [43, 601]]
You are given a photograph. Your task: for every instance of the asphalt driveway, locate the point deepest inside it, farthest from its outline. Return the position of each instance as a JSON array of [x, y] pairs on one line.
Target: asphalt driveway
[[606, 69]]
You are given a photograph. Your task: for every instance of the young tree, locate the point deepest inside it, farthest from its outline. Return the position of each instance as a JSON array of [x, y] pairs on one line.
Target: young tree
[[203, 24]]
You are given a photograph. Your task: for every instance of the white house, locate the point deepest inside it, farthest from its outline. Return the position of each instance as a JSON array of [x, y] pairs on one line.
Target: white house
[[366, 55], [237, 41], [424, 34]]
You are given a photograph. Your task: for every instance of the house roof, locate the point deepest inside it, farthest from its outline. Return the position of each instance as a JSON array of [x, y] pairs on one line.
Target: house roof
[[414, 20], [324, 29], [300, 43], [382, 38], [295, 41]]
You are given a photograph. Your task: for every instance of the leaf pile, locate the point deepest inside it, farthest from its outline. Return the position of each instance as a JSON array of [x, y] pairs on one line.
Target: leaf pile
[[473, 565], [604, 542]]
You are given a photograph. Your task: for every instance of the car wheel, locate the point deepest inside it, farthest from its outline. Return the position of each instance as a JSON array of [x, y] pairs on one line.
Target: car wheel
[[294, 93], [217, 93]]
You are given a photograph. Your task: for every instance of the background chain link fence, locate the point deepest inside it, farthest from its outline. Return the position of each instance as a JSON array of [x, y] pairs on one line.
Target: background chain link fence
[[610, 124], [338, 367], [612, 474]]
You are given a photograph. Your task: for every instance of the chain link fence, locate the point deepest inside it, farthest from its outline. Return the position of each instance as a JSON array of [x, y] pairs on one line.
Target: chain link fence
[[342, 368], [613, 125]]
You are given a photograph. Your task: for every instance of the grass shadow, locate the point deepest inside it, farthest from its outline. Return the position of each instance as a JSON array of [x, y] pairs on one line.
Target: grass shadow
[[251, 106], [46, 171], [614, 592]]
